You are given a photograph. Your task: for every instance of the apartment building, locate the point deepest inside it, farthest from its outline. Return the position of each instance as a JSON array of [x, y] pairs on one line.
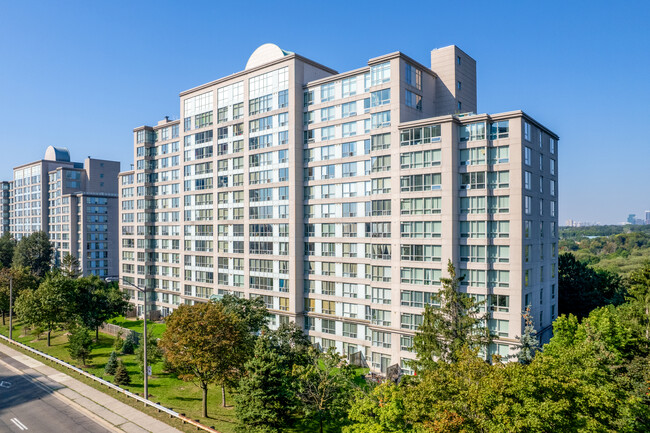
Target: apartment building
[[339, 197], [75, 203], [5, 200]]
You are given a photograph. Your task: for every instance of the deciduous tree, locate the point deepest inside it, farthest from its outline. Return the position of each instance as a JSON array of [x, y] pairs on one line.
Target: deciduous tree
[[324, 387], [34, 251], [200, 341], [7, 247], [22, 279]]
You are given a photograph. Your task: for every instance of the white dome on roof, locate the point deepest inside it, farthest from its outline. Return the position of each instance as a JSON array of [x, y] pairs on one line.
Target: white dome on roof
[[57, 154], [264, 54]]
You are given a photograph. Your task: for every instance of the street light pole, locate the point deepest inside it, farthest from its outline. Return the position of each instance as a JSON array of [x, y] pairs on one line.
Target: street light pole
[[146, 367], [11, 301]]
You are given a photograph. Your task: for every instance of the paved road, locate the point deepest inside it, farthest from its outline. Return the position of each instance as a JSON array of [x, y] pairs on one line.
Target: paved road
[[28, 407]]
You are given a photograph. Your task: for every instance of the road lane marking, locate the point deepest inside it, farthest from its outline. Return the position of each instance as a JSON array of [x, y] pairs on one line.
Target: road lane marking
[[19, 424]]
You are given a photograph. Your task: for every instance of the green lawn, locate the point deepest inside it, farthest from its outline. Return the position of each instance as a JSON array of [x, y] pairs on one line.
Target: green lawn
[[183, 397], [138, 325], [166, 389]]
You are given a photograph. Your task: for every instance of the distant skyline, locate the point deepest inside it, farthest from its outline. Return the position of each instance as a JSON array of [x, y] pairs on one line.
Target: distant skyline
[[82, 75]]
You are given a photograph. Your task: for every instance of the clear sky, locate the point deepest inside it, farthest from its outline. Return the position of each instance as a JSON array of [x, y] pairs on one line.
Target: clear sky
[[83, 74]]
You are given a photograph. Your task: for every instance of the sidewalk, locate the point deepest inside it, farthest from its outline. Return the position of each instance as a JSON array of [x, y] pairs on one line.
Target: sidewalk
[[106, 410]]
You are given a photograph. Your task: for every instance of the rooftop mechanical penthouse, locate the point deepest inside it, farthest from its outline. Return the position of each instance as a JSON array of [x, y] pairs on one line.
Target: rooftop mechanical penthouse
[[339, 197]]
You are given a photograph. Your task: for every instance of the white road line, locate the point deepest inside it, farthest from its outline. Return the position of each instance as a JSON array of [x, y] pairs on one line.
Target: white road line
[[19, 424]]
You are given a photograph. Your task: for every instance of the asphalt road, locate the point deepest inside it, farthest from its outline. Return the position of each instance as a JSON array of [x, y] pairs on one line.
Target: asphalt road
[[28, 407]]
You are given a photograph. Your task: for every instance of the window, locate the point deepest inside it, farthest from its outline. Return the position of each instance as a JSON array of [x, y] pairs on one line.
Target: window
[[421, 253], [527, 131], [474, 180], [349, 129], [472, 229], [379, 73], [421, 276], [498, 179], [326, 92], [528, 204], [527, 180], [498, 327], [498, 204], [413, 76], [421, 159], [413, 100], [380, 97], [379, 142], [410, 321], [326, 114], [474, 156], [380, 120], [499, 130], [498, 155], [349, 87], [472, 132], [349, 109], [552, 146], [527, 156], [308, 98], [472, 205], [327, 133], [283, 99], [415, 136]]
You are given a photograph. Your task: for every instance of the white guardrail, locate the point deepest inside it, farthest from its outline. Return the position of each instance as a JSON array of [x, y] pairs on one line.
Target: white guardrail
[[147, 402]]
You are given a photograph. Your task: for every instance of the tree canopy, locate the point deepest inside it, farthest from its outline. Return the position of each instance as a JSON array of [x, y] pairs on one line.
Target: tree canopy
[[202, 342], [34, 251]]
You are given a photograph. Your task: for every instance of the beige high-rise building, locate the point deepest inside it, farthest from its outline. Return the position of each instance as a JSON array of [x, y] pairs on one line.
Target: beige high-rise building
[[340, 197], [75, 203]]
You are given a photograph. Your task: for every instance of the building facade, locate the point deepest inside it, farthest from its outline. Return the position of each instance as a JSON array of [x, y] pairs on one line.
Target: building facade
[[75, 203], [340, 197], [5, 203]]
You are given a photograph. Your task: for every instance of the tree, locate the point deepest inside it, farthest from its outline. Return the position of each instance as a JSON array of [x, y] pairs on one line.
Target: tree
[[202, 341], [638, 305], [265, 398], [379, 411], [252, 312], [70, 266], [582, 289], [22, 279], [97, 301], [122, 377], [324, 387], [79, 343], [7, 247], [49, 305], [131, 342], [254, 316], [455, 324], [111, 364], [34, 251], [154, 353], [528, 342]]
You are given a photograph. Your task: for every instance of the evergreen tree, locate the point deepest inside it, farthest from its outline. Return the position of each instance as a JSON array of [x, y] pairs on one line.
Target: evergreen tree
[[70, 266], [111, 364], [7, 247], [528, 342], [265, 399], [34, 251], [122, 377], [131, 342], [79, 343], [457, 323]]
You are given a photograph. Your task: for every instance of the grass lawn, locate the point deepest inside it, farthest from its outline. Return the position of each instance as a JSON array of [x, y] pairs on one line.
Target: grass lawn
[[164, 388], [138, 325], [183, 397]]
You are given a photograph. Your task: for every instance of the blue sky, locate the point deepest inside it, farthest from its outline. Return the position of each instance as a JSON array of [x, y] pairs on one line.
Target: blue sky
[[84, 74]]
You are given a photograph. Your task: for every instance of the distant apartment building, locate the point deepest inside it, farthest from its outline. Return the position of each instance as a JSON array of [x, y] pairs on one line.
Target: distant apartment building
[[339, 197], [75, 203], [5, 201]]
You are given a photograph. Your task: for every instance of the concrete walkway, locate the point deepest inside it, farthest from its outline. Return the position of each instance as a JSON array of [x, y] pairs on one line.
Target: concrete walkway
[[106, 410]]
